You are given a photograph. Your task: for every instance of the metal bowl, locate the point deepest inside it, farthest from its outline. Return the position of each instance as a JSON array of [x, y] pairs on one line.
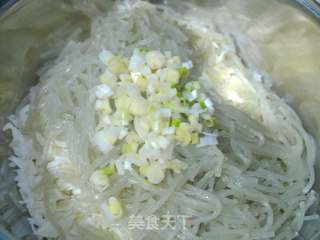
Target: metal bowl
[[33, 32]]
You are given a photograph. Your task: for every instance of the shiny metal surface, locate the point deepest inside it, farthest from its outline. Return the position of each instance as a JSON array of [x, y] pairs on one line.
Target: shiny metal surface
[[33, 32], [312, 5]]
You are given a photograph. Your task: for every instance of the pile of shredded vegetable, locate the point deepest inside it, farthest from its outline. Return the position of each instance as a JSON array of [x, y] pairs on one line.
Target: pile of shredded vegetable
[[153, 119]]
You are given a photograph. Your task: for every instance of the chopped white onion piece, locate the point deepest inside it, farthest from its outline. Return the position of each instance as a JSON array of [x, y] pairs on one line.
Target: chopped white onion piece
[[136, 62], [206, 116], [69, 187], [190, 96], [155, 173], [154, 144], [138, 106], [165, 112], [170, 93], [187, 64], [99, 180], [127, 165], [99, 104], [119, 167], [101, 143], [106, 120], [168, 130], [208, 141], [208, 103], [105, 56], [112, 134], [194, 94], [196, 110], [57, 162], [107, 77], [234, 97], [155, 59], [103, 91], [145, 70], [115, 207], [135, 76], [149, 152], [163, 142], [123, 133], [142, 127]]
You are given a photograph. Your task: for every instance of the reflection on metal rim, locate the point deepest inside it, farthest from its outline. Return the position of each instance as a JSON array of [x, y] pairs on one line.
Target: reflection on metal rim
[[6, 4], [312, 5]]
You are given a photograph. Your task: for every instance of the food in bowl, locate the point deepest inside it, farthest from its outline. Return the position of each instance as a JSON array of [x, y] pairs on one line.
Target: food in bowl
[[156, 128]]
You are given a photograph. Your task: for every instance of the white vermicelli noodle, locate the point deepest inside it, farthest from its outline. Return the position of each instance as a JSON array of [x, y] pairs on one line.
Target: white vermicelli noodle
[[254, 184]]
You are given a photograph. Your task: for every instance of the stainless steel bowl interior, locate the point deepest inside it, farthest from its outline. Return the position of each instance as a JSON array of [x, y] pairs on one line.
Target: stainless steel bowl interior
[[33, 32]]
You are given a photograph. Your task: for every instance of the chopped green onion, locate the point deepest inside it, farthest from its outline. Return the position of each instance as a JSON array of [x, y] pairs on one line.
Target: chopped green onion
[[194, 138], [183, 100], [183, 71], [144, 49], [190, 86], [209, 122], [184, 117], [109, 170], [175, 123], [202, 104], [126, 148], [178, 86], [183, 133]]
